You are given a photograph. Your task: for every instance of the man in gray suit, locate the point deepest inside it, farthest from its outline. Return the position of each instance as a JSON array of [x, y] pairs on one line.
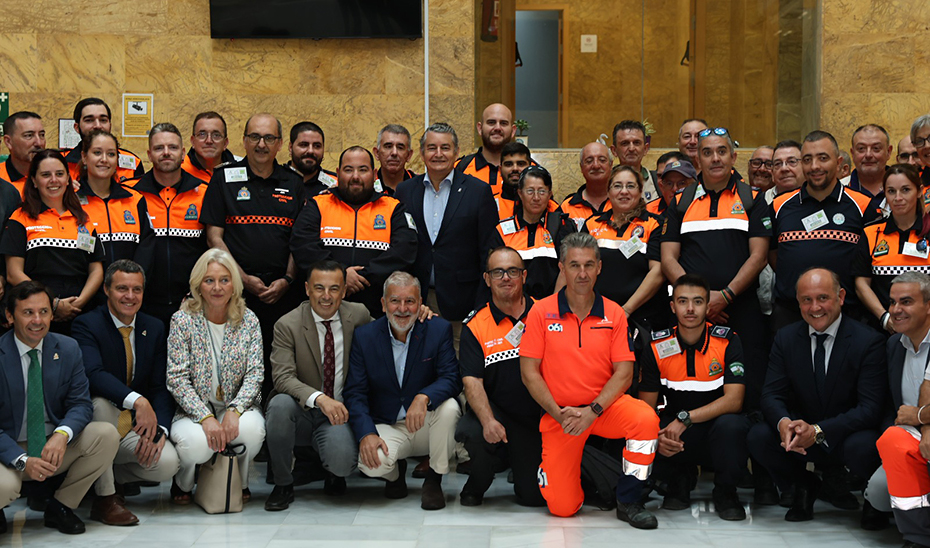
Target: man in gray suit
[[309, 362]]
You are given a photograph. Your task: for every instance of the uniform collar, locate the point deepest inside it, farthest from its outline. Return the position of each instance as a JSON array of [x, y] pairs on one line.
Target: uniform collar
[[407, 175], [499, 316], [147, 183], [731, 183], [892, 226], [375, 196], [607, 216], [224, 158], [597, 309], [702, 342], [11, 170], [480, 162], [836, 194]]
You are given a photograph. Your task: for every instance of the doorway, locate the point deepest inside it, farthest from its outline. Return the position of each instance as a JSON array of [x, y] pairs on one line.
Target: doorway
[[538, 80]]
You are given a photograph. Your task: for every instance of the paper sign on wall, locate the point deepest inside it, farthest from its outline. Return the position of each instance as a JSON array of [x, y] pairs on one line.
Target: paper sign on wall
[[138, 114]]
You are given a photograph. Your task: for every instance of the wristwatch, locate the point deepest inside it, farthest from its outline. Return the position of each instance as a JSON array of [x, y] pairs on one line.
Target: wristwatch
[[685, 417], [819, 437], [596, 407], [20, 463]]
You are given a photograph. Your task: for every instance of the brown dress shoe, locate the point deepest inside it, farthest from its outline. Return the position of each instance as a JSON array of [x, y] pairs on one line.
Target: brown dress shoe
[[420, 471], [432, 498], [112, 510]]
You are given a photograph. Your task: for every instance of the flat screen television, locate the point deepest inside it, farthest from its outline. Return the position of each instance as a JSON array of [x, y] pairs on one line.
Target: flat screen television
[[316, 18]]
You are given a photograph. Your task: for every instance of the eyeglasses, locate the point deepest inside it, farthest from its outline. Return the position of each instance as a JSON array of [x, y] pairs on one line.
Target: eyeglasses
[[215, 135], [498, 273], [721, 131], [907, 156], [758, 162], [791, 162], [541, 192], [269, 139], [625, 186], [921, 141]]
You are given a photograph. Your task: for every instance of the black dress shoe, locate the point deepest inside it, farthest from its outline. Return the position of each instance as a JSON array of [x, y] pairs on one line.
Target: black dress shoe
[[334, 486], [834, 489], [471, 499], [58, 516], [805, 494], [786, 498], [432, 498], [677, 493], [872, 519], [763, 496], [280, 498], [397, 489], [37, 503], [636, 515], [727, 503]]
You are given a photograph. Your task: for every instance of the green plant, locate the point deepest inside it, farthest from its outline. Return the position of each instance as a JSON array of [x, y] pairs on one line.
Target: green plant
[[522, 127], [650, 129]]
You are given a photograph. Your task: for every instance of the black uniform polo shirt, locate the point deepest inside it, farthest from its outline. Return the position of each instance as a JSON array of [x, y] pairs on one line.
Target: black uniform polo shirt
[[257, 215]]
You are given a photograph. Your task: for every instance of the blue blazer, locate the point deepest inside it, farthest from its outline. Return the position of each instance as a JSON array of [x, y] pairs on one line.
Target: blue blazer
[[67, 398], [856, 383], [105, 360], [372, 394], [461, 248]]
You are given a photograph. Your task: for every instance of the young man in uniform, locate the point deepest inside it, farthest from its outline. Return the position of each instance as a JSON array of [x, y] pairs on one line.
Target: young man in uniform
[[576, 360], [698, 368], [496, 129], [393, 151], [306, 148], [209, 140], [93, 113]]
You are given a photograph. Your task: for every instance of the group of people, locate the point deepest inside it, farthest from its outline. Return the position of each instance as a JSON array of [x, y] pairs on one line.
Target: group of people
[[350, 320]]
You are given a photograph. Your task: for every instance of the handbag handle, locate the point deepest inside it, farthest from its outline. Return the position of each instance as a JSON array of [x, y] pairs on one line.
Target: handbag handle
[[232, 450]]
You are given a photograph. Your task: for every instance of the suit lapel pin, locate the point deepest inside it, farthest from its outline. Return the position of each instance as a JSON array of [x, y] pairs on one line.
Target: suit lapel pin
[[144, 334], [460, 189], [55, 357]]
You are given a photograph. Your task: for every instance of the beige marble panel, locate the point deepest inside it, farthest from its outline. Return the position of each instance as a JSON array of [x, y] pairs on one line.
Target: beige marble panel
[[450, 19], [256, 66], [868, 62], [189, 17], [879, 16], [19, 57], [452, 66], [93, 64], [150, 65]]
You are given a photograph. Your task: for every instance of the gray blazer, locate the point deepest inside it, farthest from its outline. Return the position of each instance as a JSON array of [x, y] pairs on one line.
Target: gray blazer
[[296, 358]]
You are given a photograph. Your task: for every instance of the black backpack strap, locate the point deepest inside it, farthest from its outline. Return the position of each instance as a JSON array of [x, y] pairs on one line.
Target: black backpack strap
[[687, 196]]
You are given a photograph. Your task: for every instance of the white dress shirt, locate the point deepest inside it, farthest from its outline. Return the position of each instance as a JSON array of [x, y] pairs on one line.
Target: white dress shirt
[[336, 327], [827, 344]]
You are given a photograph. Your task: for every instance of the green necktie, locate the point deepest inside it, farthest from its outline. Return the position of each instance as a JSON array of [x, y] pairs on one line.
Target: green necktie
[[35, 408]]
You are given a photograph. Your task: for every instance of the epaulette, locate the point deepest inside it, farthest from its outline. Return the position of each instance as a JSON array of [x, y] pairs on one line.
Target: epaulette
[[292, 168], [224, 164], [659, 335], [471, 315], [720, 331]]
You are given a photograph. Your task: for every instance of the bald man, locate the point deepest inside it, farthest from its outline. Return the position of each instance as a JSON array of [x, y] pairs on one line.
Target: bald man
[[907, 152], [591, 198], [496, 129]]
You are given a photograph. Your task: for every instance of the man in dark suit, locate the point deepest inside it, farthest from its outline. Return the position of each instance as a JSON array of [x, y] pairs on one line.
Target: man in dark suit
[[823, 394], [45, 420], [400, 392], [125, 355], [455, 216], [309, 362]]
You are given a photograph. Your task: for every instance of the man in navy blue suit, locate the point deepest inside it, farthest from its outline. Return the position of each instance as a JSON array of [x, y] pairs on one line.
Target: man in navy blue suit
[[823, 396], [45, 419], [125, 359], [455, 217], [400, 392]]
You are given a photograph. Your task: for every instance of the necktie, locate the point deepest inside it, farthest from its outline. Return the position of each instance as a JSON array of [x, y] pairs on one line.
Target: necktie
[[329, 360], [35, 407], [124, 422], [820, 362]]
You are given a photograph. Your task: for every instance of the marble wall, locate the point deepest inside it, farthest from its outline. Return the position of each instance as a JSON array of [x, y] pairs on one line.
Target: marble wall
[[52, 53]]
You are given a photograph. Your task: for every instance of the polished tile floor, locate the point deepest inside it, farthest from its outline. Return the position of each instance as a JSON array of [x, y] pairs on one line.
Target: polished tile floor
[[362, 518]]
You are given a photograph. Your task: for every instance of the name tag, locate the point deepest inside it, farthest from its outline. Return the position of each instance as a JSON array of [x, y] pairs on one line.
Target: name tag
[[236, 174], [699, 192], [516, 334], [127, 162], [378, 187], [632, 246], [668, 348], [815, 221], [509, 227], [913, 250], [85, 242]]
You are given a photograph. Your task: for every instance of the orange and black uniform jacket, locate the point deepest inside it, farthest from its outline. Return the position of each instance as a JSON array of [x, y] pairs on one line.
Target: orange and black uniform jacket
[[256, 215], [378, 236], [122, 223], [180, 239], [9, 174], [49, 245], [580, 210], [476, 166], [386, 190], [537, 244], [657, 206], [486, 354], [881, 255], [832, 245], [693, 376], [507, 199], [193, 166], [123, 170], [620, 277], [714, 231]]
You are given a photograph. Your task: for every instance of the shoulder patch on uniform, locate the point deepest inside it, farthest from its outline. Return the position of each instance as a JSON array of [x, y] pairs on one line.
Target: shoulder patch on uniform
[[410, 222], [659, 335], [720, 331], [470, 316], [737, 369]]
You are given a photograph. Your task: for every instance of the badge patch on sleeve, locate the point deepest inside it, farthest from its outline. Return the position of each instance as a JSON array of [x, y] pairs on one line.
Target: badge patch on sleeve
[[737, 369]]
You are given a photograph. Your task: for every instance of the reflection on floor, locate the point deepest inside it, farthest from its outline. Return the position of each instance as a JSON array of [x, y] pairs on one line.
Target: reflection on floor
[[363, 518]]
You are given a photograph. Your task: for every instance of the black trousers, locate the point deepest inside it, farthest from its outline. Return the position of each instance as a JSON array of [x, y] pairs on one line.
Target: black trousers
[[523, 451], [719, 444], [747, 320], [857, 452]]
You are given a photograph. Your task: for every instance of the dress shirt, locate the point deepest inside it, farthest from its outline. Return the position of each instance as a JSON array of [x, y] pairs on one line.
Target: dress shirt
[[400, 363], [133, 396], [434, 208], [26, 362], [336, 327], [827, 344]]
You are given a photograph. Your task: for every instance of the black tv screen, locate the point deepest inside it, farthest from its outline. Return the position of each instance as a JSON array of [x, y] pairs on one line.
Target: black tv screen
[[316, 19]]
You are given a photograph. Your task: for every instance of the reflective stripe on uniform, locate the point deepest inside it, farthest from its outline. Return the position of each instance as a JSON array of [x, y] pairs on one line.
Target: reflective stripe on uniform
[[638, 471], [118, 237], [501, 356], [258, 220], [838, 235], [910, 503], [895, 270], [534, 252], [694, 386], [715, 224], [643, 447], [51, 242], [180, 232], [362, 244], [606, 243]]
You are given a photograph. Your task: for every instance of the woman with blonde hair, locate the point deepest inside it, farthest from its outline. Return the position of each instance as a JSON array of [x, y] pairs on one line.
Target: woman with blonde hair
[[215, 373]]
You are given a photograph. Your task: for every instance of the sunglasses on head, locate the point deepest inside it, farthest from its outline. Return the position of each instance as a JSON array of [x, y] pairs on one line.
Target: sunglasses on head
[[721, 131]]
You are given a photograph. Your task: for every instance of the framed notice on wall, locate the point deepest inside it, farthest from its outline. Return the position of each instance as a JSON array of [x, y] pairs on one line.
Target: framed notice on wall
[[138, 114]]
